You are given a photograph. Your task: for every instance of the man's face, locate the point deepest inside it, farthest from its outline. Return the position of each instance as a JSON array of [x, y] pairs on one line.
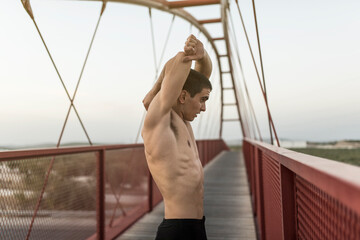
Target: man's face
[[194, 105]]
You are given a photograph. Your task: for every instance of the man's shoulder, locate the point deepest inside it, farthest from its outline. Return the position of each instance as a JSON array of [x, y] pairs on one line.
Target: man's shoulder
[[156, 122], [160, 138], [155, 115], [169, 121]]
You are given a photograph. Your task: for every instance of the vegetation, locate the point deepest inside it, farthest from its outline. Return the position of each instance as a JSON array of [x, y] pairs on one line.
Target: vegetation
[[350, 156], [71, 184], [235, 148], [72, 180]]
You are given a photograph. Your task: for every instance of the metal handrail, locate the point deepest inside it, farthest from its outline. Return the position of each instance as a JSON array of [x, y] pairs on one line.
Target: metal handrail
[[295, 194], [46, 152]]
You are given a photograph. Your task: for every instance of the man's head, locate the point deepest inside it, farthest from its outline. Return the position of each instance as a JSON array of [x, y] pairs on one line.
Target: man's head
[[195, 93], [195, 82]]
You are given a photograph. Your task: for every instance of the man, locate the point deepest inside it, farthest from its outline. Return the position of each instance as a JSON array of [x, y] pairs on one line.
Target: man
[[177, 97]]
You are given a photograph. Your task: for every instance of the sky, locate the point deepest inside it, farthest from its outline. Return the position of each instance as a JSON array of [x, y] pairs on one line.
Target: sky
[[310, 54]]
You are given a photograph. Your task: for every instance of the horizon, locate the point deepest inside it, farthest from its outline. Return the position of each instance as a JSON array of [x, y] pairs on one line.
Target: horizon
[[230, 142]]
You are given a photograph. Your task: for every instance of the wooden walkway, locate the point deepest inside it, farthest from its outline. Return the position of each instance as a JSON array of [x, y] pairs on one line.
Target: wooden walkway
[[227, 204]]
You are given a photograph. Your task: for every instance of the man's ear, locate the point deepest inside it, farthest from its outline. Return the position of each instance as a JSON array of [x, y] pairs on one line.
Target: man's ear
[[182, 96]]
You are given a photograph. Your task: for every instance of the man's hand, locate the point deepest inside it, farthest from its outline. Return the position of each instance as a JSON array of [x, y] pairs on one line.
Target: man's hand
[[194, 49]]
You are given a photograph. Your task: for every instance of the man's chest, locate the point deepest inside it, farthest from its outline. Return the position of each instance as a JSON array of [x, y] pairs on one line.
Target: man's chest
[[184, 136]]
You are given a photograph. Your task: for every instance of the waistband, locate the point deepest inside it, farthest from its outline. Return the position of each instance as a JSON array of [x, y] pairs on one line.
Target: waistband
[[185, 220]]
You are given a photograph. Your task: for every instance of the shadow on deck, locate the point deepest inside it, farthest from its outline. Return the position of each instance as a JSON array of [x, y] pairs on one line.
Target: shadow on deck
[[227, 204]]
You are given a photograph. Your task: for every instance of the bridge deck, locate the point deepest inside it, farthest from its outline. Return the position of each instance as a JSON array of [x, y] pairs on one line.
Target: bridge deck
[[227, 204]]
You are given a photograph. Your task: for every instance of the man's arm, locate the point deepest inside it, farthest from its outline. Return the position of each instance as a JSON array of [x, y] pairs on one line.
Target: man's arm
[[156, 88], [194, 50], [204, 65], [174, 74]]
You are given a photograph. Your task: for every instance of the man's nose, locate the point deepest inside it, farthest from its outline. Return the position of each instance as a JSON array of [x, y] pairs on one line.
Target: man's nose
[[203, 107]]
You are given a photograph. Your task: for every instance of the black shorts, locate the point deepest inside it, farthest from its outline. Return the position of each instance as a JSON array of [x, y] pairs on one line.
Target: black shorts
[[181, 229]]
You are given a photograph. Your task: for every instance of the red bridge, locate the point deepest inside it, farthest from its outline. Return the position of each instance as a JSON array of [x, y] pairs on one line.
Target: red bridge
[[106, 191], [290, 195]]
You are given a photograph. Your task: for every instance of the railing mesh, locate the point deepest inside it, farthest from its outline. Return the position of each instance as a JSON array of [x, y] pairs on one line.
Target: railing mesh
[[126, 183], [322, 217], [271, 181], [67, 206]]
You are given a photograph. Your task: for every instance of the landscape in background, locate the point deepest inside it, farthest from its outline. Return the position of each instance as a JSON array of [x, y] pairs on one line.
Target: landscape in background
[[287, 143], [347, 151]]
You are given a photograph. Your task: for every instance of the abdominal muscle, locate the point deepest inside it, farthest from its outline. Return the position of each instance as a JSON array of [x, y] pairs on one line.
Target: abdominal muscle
[[180, 182]]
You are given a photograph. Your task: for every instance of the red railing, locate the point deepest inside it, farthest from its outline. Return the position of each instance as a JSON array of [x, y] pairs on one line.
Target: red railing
[[297, 196], [91, 192]]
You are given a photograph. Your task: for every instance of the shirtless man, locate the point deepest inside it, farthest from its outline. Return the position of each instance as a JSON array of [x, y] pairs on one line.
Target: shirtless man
[[177, 97]]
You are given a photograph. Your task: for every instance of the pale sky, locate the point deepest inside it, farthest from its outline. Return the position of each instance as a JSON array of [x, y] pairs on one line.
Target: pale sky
[[310, 53]]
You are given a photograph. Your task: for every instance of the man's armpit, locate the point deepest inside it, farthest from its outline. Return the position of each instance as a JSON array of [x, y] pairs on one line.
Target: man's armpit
[[172, 126]]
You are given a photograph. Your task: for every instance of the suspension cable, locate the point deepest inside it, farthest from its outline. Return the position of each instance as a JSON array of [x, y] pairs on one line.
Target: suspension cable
[[259, 48], [165, 45], [157, 66], [244, 106], [238, 87], [249, 45], [261, 63], [81, 73], [28, 9], [153, 40], [262, 89], [243, 76], [241, 103]]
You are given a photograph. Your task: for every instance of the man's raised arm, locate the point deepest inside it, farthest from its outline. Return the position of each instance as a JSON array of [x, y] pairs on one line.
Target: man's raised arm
[[154, 90], [194, 50], [176, 71], [171, 83]]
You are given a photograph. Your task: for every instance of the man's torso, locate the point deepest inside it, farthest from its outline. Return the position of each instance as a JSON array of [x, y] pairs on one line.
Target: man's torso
[[174, 163]]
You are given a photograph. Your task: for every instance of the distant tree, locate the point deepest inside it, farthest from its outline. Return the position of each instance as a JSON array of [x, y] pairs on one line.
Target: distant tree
[[71, 184]]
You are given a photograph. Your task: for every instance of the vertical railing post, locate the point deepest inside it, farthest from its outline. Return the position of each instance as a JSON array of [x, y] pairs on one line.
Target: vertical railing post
[[253, 160], [259, 188], [206, 147], [100, 195], [150, 192], [288, 203]]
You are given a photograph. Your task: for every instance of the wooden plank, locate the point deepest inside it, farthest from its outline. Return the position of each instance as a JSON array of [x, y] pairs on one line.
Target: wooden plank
[[227, 204]]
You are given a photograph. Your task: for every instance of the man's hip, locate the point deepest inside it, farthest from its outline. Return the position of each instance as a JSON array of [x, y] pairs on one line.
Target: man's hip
[[182, 229]]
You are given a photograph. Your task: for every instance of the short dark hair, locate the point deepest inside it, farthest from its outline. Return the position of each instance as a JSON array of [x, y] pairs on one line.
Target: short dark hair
[[196, 82]]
